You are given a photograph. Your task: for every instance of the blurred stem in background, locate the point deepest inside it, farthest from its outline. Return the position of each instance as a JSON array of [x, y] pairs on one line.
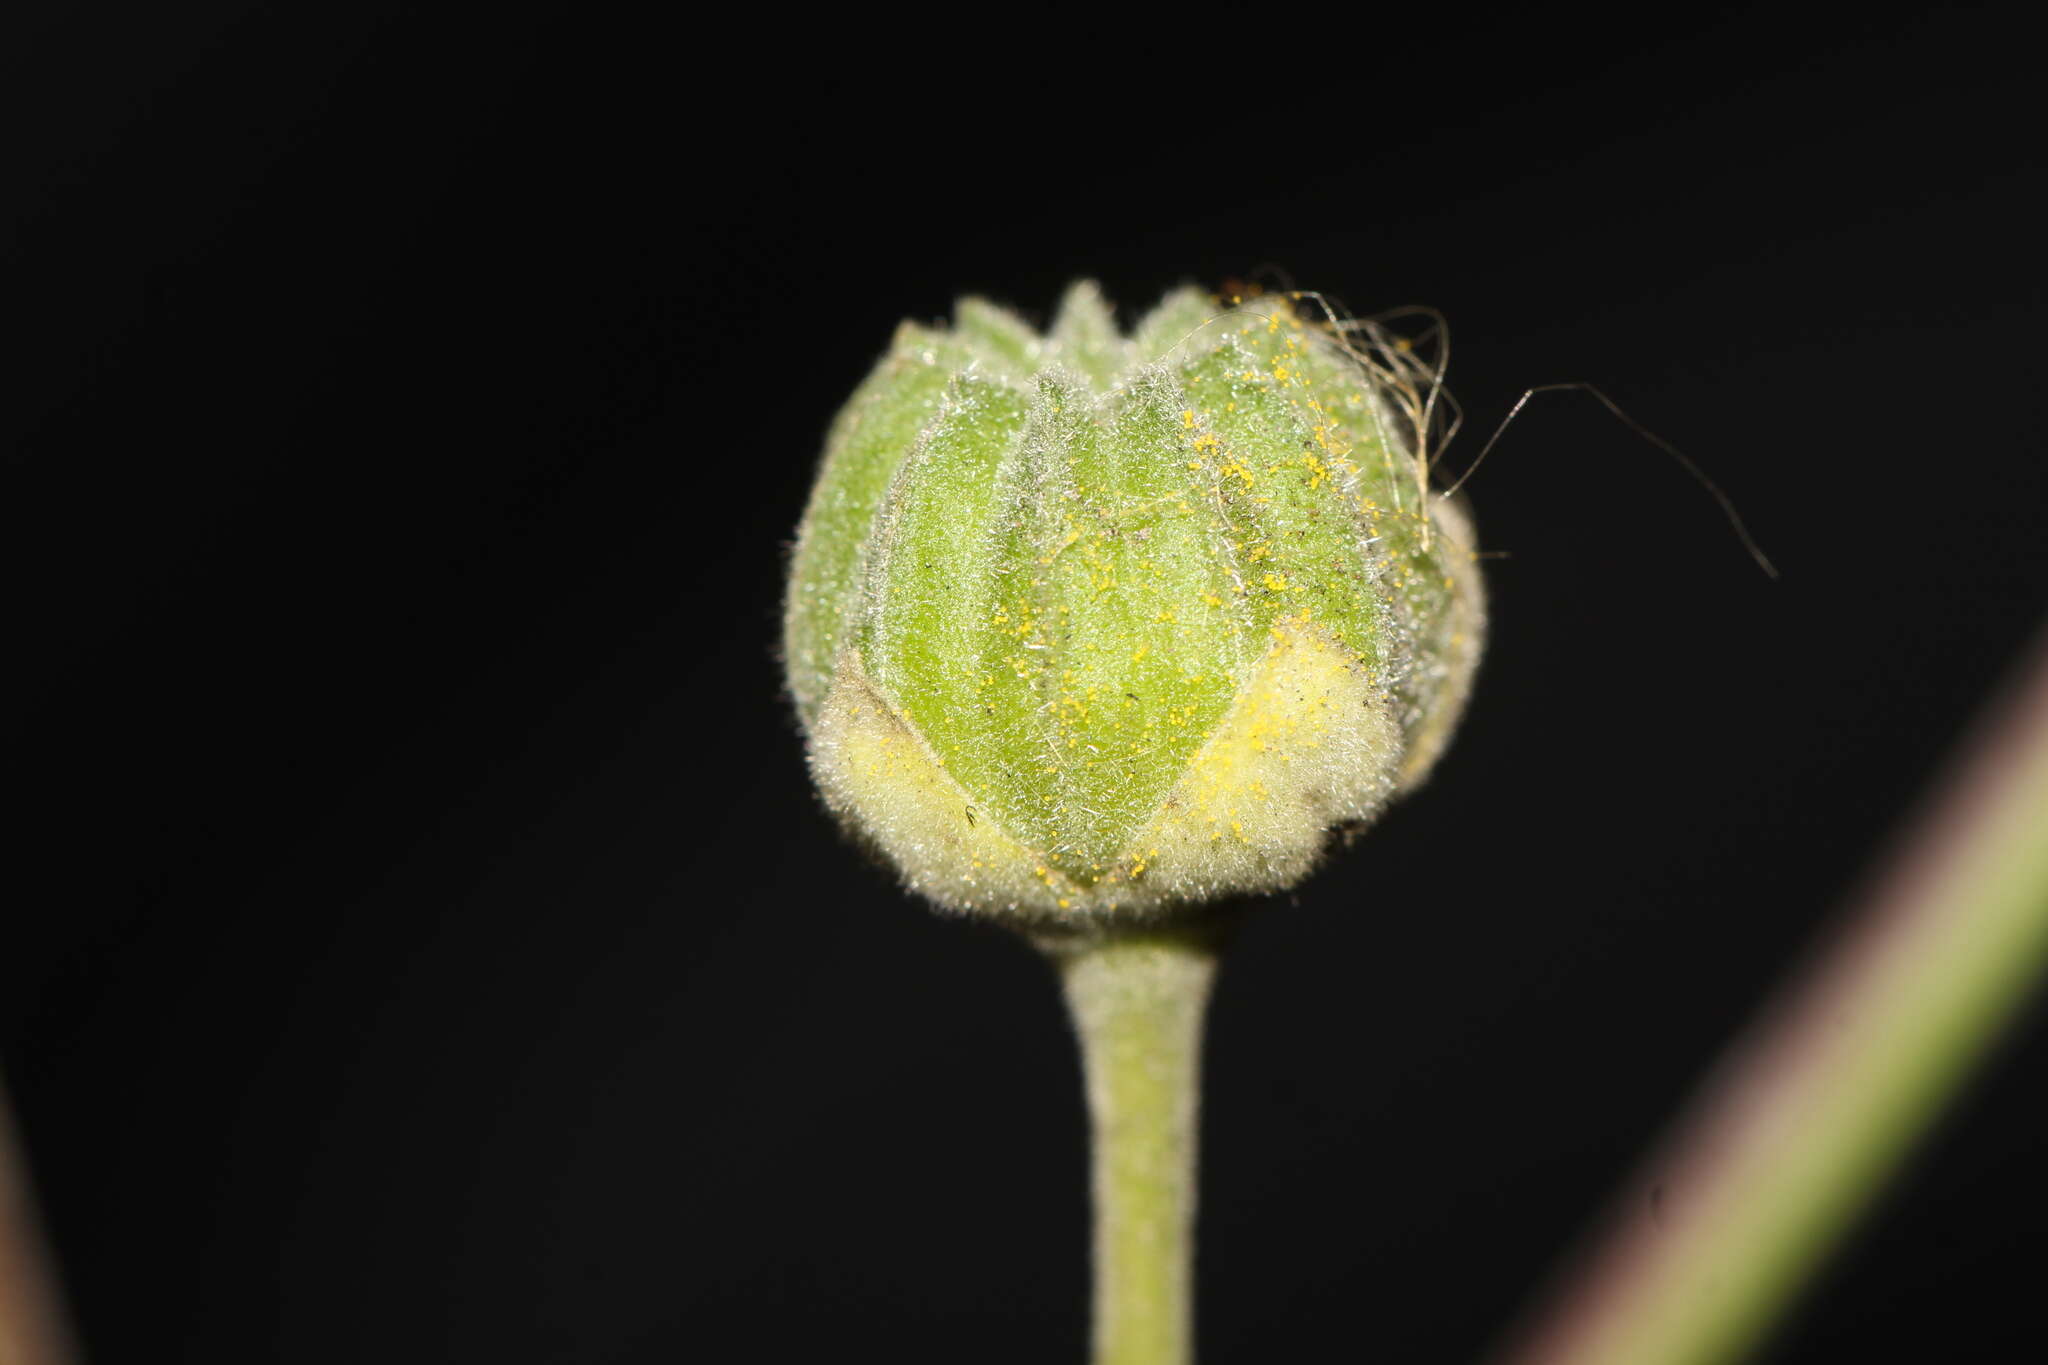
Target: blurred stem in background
[[30, 1333], [1807, 1117]]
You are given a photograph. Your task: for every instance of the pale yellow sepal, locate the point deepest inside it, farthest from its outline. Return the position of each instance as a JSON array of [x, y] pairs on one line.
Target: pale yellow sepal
[[1309, 743]]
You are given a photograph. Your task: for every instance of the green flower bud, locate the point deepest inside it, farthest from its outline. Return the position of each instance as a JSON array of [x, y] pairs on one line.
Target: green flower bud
[[1084, 623]]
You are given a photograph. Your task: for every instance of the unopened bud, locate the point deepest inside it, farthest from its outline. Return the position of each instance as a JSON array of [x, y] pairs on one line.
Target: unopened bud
[[1085, 626]]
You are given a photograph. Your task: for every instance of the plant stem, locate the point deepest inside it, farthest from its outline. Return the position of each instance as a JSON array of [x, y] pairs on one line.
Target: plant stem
[[1805, 1121], [1137, 1004], [32, 1331]]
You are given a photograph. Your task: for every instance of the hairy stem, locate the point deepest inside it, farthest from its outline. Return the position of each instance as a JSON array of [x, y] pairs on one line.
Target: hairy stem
[[1137, 1003]]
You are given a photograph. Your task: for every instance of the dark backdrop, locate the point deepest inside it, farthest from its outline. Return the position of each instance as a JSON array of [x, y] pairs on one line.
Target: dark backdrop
[[429, 947]]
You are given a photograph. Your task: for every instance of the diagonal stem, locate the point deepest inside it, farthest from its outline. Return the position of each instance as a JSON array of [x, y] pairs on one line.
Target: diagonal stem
[[31, 1328], [1806, 1120]]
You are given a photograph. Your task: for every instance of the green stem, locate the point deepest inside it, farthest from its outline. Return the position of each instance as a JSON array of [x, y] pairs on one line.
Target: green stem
[[1806, 1121], [1137, 1003]]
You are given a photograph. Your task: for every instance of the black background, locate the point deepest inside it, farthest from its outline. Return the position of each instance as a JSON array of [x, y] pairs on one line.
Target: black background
[[435, 951]]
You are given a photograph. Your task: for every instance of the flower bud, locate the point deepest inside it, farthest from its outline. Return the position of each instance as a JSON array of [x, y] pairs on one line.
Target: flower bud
[[1083, 624]]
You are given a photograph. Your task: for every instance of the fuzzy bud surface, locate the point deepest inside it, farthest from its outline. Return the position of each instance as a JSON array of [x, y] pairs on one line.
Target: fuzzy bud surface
[[1084, 626]]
